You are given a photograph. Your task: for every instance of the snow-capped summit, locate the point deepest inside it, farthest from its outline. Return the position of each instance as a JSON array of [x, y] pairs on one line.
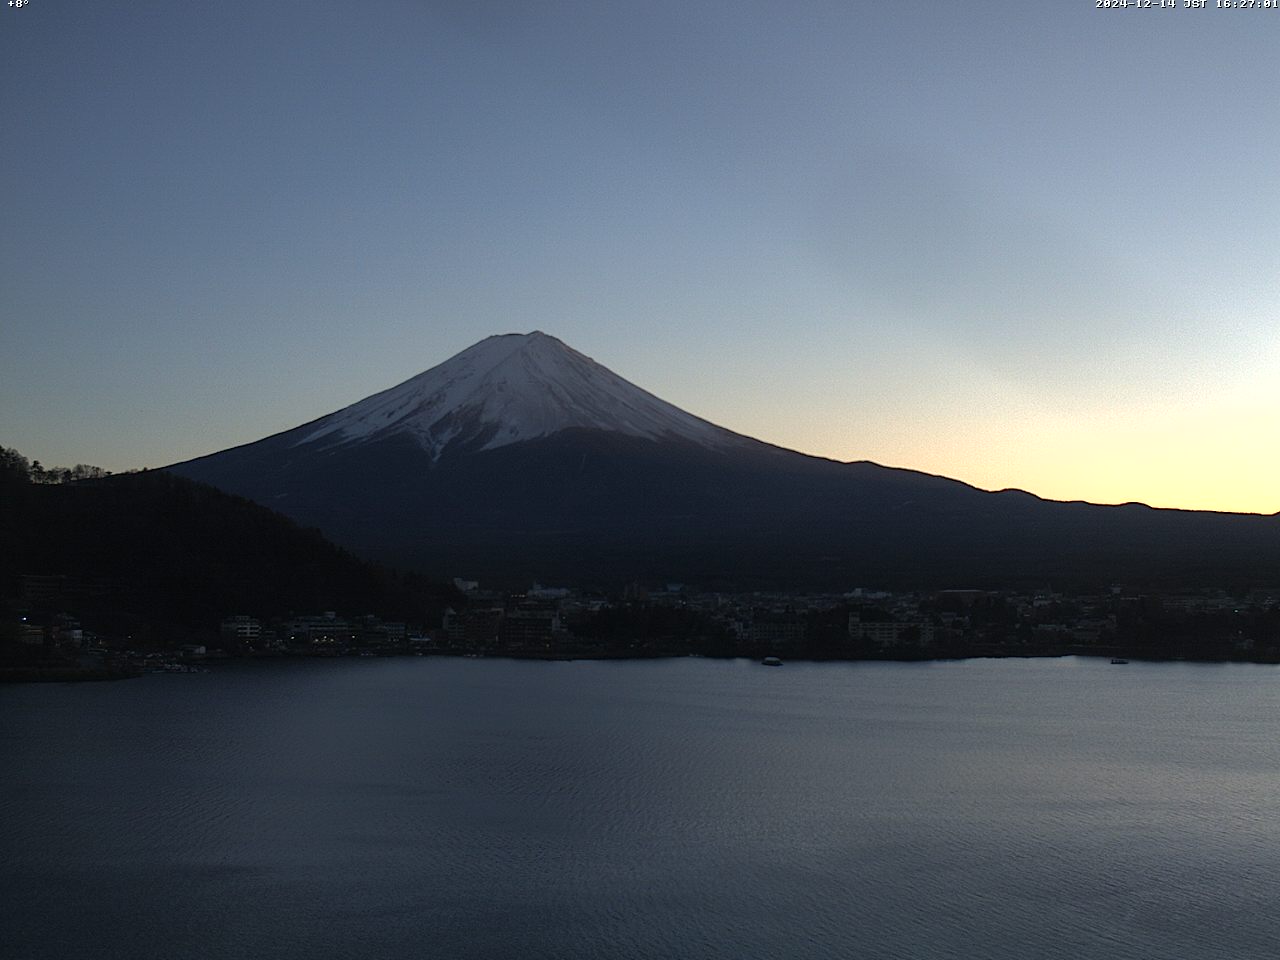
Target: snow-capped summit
[[510, 388]]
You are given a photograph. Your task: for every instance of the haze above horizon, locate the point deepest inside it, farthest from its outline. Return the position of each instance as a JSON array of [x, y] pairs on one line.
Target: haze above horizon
[[1028, 246]]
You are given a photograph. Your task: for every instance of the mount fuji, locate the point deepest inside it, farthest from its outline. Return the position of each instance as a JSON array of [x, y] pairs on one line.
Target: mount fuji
[[520, 458]]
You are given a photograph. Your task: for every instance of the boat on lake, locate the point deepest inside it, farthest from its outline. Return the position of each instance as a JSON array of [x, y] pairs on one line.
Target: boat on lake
[[771, 662]]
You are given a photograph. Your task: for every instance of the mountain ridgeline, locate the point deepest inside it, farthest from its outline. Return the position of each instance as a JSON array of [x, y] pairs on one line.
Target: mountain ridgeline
[[522, 459]]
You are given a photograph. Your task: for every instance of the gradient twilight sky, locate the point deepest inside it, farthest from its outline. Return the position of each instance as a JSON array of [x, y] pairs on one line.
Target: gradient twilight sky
[[1022, 244]]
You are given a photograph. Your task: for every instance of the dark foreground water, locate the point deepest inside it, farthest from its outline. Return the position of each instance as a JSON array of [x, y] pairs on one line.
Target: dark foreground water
[[683, 808]]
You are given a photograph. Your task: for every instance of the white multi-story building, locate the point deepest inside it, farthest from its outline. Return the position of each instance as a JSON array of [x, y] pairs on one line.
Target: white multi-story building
[[891, 633], [241, 628]]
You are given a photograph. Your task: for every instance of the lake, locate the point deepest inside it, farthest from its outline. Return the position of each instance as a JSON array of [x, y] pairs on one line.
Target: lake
[[437, 807]]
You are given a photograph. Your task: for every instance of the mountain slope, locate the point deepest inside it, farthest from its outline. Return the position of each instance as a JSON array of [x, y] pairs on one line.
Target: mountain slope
[[521, 459]]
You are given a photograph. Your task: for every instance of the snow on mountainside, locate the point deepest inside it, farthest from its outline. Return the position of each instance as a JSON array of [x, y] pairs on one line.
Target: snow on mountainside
[[510, 388]]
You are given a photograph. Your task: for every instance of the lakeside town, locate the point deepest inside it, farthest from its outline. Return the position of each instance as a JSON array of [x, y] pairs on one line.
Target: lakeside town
[[674, 619]]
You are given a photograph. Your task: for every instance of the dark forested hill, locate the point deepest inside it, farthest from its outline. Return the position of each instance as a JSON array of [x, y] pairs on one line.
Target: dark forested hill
[[155, 554]]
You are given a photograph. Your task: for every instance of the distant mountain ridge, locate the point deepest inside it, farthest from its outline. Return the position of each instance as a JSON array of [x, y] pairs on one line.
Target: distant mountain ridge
[[521, 459]]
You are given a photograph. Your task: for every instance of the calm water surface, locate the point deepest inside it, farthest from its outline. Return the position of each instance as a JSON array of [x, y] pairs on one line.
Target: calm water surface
[[681, 808]]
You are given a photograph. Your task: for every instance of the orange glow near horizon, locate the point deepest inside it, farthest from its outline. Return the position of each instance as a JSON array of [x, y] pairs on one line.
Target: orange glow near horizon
[[1211, 450]]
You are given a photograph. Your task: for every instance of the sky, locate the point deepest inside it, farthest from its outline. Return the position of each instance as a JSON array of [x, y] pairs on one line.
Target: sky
[[1021, 244]]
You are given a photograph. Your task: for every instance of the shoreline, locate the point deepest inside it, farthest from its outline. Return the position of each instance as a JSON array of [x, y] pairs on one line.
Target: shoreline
[[80, 674]]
